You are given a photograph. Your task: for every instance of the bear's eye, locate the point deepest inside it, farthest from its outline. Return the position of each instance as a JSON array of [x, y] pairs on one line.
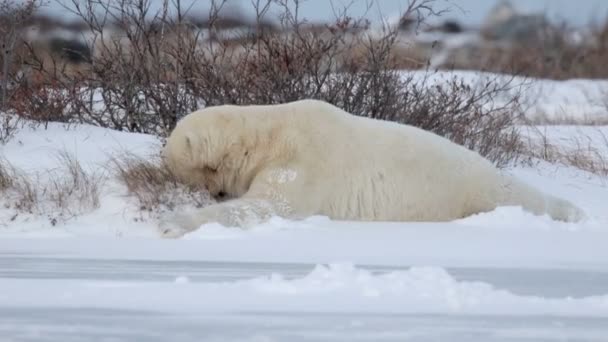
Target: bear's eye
[[210, 169]]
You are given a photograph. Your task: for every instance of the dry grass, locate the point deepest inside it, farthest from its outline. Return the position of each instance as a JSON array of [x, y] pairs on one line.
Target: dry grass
[[25, 194], [17, 188], [73, 186], [541, 118], [59, 194], [6, 176], [580, 151], [154, 186]]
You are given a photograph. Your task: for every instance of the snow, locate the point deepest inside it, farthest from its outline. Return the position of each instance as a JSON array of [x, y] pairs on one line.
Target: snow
[[332, 288], [36, 149], [575, 101], [506, 275]]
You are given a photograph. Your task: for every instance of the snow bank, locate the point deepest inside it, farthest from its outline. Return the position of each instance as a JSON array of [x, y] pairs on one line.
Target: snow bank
[[333, 288], [36, 149], [416, 290]]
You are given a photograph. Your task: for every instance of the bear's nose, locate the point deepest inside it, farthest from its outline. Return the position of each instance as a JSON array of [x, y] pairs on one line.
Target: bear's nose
[[221, 195]]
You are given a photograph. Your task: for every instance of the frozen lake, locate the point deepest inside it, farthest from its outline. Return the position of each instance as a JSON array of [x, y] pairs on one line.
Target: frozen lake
[[70, 311]]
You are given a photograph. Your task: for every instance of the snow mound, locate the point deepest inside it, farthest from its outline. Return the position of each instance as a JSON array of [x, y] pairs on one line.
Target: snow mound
[[516, 218], [416, 290], [35, 149], [332, 288]]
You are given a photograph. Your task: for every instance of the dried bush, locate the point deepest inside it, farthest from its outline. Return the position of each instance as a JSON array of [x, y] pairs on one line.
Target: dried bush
[[42, 103], [479, 116], [154, 186], [159, 67], [9, 125], [13, 15], [134, 82]]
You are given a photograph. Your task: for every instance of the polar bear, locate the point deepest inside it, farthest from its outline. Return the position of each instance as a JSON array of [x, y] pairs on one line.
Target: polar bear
[[309, 157]]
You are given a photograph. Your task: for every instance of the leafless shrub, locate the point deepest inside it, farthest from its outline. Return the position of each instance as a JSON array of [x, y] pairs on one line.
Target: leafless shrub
[[42, 103], [159, 67], [8, 126], [154, 186], [477, 116], [135, 81], [13, 14]]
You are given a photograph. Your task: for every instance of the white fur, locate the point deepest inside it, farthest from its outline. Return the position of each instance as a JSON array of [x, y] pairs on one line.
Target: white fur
[[311, 158]]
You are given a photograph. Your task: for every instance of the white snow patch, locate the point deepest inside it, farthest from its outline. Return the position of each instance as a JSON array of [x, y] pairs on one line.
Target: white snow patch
[[182, 280], [215, 231], [36, 149], [514, 217]]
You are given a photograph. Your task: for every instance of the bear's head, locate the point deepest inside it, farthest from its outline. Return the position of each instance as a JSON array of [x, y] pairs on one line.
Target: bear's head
[[207, 148]]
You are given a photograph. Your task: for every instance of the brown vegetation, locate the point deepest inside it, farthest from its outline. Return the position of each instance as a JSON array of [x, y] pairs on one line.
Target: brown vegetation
[[154, 186], [579, 151], [60, 193]]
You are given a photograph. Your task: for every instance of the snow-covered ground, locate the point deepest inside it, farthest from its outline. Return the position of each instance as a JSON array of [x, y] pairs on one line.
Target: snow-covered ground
[[105, 275], [575, 101]]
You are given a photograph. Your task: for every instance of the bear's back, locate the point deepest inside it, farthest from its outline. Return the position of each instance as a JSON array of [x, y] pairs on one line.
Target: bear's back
[[362, 162]]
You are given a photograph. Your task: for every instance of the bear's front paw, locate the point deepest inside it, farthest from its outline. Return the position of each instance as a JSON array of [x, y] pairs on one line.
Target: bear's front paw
[[175, 225]]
